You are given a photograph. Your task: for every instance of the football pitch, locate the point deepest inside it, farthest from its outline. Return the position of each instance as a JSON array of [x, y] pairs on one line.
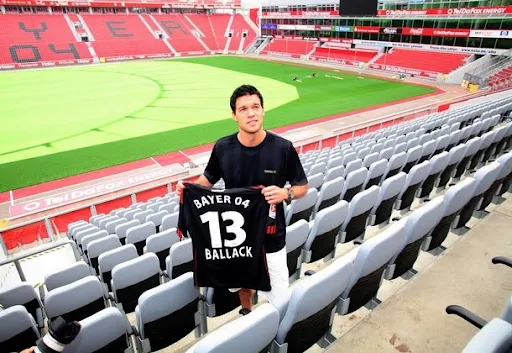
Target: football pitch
[[66, 121]]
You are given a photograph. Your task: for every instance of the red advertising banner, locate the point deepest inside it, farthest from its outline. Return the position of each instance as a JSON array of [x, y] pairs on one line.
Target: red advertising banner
[[490, 10], [437, 32], [301, 13], [403, 70], [44, 64], [336, 40], [366, 29], [203, 4]]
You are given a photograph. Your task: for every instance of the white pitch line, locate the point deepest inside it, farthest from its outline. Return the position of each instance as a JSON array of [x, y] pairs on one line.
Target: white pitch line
[[156, 162]]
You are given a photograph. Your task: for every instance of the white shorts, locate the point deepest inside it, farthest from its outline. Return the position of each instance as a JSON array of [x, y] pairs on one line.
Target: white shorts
[[278, 271]]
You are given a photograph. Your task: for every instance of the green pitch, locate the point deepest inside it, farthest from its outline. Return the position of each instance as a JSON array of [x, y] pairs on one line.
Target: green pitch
[[67, 121]]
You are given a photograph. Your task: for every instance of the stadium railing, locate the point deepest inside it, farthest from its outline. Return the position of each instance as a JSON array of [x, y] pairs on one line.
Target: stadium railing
[[49, 227]]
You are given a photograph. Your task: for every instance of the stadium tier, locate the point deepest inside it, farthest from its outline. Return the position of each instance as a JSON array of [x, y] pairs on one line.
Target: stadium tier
[[423, 60], [345, 54]]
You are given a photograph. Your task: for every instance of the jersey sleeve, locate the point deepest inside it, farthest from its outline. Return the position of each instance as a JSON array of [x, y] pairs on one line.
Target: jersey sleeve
[[295, 171], [212, 171], [181, 228]]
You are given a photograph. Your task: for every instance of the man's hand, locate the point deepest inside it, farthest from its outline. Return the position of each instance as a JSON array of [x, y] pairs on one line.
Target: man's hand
[[28, 350], [179, 188], [274, 194]]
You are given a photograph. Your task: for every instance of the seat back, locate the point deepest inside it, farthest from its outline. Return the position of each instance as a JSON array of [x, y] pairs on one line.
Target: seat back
[[109, 259], [110, 227], [138, 235], [296, 235], [334, 172], [96, 247], [133, 277], [386, 153], [311, 306], [22, 294], [180, 259], [122, 229], [249, 333], [494, 337], [316, 181], [353, 165], [396, 163], [104, 331], [17, 329], [170, 221], [77, 300], [167, 313], [485, 177], [156, 218], [354, 183], [375, 173], [329, 194], [161, 243], [302, 208], [67, 275], [358, 212]]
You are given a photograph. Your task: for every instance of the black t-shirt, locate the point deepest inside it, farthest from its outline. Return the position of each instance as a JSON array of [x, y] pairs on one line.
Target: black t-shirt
[[228, 230], [273, 162]]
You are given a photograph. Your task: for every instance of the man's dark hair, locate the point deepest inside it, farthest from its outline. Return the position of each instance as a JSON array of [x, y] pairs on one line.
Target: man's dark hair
[[244, 90]]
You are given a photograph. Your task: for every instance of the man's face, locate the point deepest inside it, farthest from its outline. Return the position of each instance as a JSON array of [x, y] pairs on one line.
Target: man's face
[[249, 113]]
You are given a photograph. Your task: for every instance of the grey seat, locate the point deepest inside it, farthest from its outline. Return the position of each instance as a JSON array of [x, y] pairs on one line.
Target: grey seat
[[472, 147], [502, 182], [324, 229], [395, 164], [333, 173], [492, 150], [95, 220], [250, 333], [65, 276], [110, 227], [349, 157], [334, 162], [370, 159], [23, 294], [413, 182], [17, 329], [417, 227], [310, 308], [77, 300], [318, 168], [487, 139], [428, 150], [169, 221], [109, 259], [122, 228], [354, 183], [484, 179], [169, 207], [359, 209], [296, 235], [370, 260], [97, 247], [76, 224], [501, 146], [132, 278], [442, 143], [389, 191], [455, 156], [301, 208], [438, 163], [375, 173], [161, 244], [386, 153], [167, 313], [454, 139], [82, 233], [412, 142], [352, 166], [316, 181], [180, 259], [454, 200], [329, 194], [156, 218], [137, 235], [155, 206], [141, 216], [494, 337], [90, 238], [102, 224], [104, 331], [401, 147], [219, 301]]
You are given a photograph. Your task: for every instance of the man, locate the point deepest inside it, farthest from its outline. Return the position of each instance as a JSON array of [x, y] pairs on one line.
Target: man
[[253, 157]]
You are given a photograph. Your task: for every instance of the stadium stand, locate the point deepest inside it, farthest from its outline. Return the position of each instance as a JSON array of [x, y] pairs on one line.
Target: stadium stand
[[344, 54]]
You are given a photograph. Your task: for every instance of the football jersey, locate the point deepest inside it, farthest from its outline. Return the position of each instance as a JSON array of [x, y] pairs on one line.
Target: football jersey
[[228, 229]]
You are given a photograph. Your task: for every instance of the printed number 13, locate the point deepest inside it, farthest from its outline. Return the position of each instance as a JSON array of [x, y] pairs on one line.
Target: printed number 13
[[212, 218]]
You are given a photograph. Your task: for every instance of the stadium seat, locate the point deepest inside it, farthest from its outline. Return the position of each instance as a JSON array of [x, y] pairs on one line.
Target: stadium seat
[[180, 259], [370, 260], [137, 235], [104, 331], [90, 238], [486, 141], [438, 163], [329, 194], [102, 224], [155, 206], [472, 147], [161, 244], [132, 278], [23, 294], [156, 218], [417, 227], [389, 191], [310, 308], [375, 174], [386, 153], [324, 229], [167, 313], [296, 235], [80, 234], [77, 300], [395, 165], [74, 225], [415, 178], [301, 208], [454, 201], [18, 329], [494, 337], [353, 166], [354, 183], [109, 259], [454, 139], [251, 333], [331, 174], [97, 247], [110, 227], [484, 178], [359, 209], [455, 157], [65, 276], [503, 181], [370, 159], [170, 221]]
